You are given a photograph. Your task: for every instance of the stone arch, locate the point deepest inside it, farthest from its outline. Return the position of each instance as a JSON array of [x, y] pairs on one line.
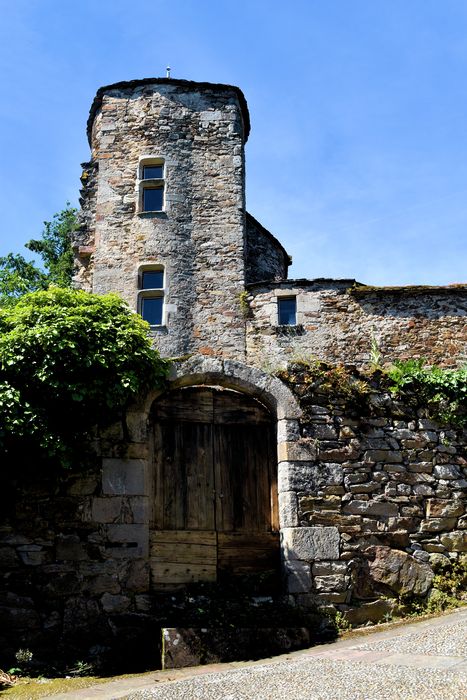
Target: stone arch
[[233, 375], [278, 398]]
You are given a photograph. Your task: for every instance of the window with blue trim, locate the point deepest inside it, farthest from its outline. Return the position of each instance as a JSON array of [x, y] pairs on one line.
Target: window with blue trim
[[287, 311], [152, 184], [151, 296]]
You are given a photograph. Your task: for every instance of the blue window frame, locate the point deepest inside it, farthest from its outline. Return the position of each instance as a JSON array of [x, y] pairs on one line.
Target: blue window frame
[[151, 184], [153, 198], [287, 311], [152, 279], [152, 309], [151, 296], [153, 172]]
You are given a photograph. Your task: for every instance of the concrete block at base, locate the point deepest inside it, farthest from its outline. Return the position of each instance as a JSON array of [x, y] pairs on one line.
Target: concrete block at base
[[310, 543]]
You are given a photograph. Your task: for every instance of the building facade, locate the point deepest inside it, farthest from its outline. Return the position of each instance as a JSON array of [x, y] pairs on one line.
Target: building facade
[[236, 468]]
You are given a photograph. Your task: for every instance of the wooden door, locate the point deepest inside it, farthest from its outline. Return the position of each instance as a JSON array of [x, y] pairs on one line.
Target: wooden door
[[215, 511]]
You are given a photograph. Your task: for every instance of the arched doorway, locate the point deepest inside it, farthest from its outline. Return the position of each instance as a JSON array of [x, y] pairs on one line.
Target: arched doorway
[[215, 488]]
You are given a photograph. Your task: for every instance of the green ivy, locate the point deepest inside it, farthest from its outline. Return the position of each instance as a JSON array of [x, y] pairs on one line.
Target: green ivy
[[69, 361], [442, 391]]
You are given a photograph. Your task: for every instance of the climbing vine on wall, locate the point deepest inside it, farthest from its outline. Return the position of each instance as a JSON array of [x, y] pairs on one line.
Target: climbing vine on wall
[[69, 360], [440, 392], [443, 391]]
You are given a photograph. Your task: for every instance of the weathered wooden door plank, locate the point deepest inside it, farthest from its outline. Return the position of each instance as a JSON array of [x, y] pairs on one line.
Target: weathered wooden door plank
[[216, 487]]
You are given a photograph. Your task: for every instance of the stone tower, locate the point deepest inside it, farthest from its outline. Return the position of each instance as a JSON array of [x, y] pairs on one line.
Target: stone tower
[[163, 210]]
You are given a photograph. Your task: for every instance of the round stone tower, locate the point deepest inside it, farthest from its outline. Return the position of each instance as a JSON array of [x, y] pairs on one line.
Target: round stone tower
[[163, 210]]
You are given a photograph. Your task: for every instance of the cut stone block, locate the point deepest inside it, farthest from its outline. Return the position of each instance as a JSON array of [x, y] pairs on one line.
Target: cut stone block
[[288, 510], [310, 543], [119, 509], [123, 477], [296, 451], [307, 477], [298, 576], [288, 430]]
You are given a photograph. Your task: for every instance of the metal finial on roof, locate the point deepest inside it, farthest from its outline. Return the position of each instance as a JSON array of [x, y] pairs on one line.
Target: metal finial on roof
[[168, 72]]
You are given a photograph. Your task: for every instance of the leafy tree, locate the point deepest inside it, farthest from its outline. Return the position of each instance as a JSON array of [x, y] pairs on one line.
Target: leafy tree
[[69, 361], [19, 276]]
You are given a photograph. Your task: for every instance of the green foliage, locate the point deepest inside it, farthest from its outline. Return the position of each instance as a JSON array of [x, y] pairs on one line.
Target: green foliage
[[69, 360], [340, 622], [244, 304], [19, 276], [55, 247], [449, 589], [82, 668], [442, 391], [451, 577], [375, 353]]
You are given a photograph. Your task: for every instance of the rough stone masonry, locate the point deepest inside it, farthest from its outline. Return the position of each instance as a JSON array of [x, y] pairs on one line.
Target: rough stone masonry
[[368, 499]]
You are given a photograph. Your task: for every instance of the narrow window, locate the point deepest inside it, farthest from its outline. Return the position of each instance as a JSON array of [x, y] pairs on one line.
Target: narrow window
[[153, 279], [151, 172], [152, 184], [153, 198], [151, 310], [287, 311], [151, 296]]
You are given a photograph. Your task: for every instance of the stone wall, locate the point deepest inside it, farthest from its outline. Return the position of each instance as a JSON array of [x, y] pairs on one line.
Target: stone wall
[[266, 259], [73, 567], [373, 494], [199, 131], [337, 326]]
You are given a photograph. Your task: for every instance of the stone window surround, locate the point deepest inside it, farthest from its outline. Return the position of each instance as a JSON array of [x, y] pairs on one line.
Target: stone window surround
[[285, 294], [142, 184], [151, 293]]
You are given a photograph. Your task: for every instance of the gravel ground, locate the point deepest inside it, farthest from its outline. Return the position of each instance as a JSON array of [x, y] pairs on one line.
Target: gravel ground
[[315, 679], [446, 641], [308, 678]]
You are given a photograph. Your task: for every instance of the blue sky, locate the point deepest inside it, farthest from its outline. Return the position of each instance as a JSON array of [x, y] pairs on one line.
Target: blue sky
[[357, 158]]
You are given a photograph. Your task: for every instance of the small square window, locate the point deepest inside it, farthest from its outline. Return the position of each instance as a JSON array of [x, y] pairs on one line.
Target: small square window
[[153, 198], [287, 311], [153, 172], [153, 279], [151, 310]]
